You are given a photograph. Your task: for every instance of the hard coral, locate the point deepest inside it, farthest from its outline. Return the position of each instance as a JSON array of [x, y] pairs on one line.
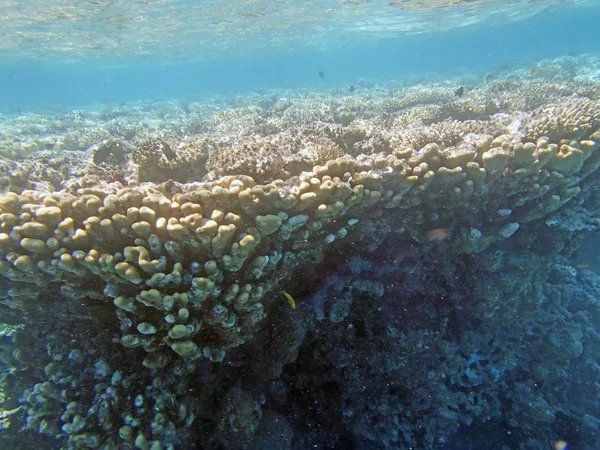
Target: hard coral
[[184, 270], [258, 159]]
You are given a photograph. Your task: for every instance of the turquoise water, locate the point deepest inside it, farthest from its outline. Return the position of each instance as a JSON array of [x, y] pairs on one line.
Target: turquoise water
[[256, 225], [285, 47]]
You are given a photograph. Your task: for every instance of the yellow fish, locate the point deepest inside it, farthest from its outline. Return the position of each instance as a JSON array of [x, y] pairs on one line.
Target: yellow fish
[[583, 266], [290, 299]]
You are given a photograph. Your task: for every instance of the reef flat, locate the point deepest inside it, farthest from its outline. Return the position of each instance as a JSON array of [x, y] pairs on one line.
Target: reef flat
[[423, 239]]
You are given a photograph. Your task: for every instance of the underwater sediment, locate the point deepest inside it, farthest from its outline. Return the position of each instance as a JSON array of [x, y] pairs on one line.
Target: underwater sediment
[[425, 240]]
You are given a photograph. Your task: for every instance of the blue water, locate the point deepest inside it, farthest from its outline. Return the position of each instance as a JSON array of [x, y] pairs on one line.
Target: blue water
[[61, 82]]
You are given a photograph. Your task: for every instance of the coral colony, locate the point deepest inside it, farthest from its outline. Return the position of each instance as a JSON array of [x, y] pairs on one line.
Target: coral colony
[[373, 269]]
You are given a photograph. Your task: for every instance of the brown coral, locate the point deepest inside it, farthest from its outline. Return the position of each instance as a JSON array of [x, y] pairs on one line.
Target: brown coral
[[259, 159], [191, 267]]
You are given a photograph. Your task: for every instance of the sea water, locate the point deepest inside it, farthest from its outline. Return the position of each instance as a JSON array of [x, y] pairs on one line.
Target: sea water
[[158, 51], [167, 279]]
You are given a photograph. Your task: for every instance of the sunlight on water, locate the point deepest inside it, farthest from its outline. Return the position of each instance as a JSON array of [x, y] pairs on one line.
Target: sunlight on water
[[215, 29]]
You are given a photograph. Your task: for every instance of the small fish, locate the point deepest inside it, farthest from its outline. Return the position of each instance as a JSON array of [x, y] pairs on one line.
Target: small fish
[[488, 77], [561, 445], [583, 266], [533, 71], [289, 299], [439, 234], [361, 83], [460, 91], [351, 89], [321, 75], [168, 152]]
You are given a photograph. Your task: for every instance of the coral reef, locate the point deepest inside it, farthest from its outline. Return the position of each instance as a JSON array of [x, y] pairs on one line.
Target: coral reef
[[419, 235]]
